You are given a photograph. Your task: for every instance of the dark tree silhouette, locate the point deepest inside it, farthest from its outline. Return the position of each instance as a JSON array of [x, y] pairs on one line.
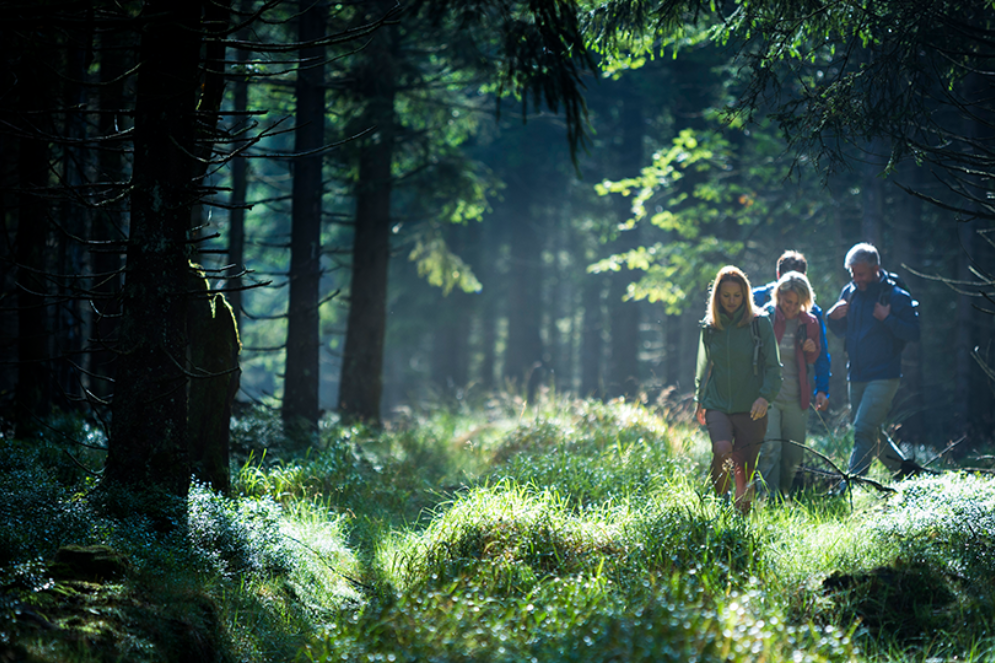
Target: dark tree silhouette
[[362, 360], [148, 443], [300, 391]]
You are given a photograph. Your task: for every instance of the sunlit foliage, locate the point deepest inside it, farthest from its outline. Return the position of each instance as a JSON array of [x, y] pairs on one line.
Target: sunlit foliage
[[561, 531]]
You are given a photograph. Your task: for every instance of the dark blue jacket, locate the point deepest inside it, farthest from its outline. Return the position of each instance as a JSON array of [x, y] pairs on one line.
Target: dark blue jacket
[[761, 295], [874, 347]]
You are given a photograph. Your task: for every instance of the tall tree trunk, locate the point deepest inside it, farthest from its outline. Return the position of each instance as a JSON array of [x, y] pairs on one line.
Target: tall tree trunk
[[148, 444], [490, 278], [872, 190], [623, 378], [451, 336], [672, 348], [964, 364], [908, 229], [300, 385], [239, 190], [33, 395], [592, 331], [561, 307], [70, 323], [362, 359], [8, 184], [450, 343], [981, 408], [212, 338], [523, 352], [976, 128], [108, 222]]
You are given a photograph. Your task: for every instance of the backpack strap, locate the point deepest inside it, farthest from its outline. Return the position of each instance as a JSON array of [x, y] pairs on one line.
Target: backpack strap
[[757, 343], [891, 281], [707, 332], [706, 338], [888, 284]]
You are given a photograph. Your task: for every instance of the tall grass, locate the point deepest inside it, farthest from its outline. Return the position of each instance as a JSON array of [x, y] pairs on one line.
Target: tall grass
[[591, 538], [568, 531], [594, 516]]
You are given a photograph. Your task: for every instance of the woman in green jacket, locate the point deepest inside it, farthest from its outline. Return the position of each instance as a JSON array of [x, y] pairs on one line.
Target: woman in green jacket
[[738, 376]]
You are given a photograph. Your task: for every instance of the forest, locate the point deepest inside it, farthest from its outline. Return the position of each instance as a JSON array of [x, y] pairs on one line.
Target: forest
[[368, 331]]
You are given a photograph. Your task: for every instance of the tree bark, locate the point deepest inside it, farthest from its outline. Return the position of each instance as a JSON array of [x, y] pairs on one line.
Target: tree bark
[[908, 229], [592, 343], [148, 444], [214, 350], [70, 319], [562, 305], [493, 239], [451, 339], [108, 223], [362, 360], [33, 394], [623, 378], [964, 364], [524, 351], [239, 193], [968, 378], [450, 343], [672, 348], [300, 390], [872, 190]]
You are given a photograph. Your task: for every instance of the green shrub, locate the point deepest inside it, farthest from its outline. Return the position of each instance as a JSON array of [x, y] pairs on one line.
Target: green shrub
[[503, 540], [38, 511], [235, 537], [948, 523], [592, 453]]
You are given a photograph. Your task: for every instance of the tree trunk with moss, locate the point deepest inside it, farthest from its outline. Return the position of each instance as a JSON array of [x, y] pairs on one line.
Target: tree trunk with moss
[[213, 359], [148, 445]]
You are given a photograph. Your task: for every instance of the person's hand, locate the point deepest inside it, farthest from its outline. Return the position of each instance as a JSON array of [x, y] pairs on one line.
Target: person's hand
[[881, 311], [808, 345], [700, 415], [759, 408], [821, 402], [839, 310]]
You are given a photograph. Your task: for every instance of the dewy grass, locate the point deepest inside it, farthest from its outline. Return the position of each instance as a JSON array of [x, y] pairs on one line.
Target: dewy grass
[[503, 539], [592, 452], [326, 570], [563, 531], [509, 573], [804, 541]]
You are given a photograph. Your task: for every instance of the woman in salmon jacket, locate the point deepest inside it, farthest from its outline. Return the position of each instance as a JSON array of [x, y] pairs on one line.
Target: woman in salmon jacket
[[797, 332], [737, 378]]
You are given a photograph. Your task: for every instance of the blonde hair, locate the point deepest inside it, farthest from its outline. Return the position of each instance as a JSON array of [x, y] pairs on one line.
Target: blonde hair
[[797, 283], [735, 275]]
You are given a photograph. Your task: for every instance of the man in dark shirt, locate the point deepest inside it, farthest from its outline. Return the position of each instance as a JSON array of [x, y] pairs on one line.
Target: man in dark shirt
[[876, 318]]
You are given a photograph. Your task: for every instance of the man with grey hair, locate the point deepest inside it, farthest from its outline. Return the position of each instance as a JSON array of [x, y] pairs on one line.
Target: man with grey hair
[[876, 317]]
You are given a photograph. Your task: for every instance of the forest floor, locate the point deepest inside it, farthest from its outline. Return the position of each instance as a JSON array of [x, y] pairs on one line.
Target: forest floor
[[576, 530]]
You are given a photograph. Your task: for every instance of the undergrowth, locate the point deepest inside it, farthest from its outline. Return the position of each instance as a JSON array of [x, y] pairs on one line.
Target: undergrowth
[[572, 531]]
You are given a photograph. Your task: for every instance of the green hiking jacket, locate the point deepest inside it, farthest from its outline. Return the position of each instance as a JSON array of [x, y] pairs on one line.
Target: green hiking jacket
[[724, 378]]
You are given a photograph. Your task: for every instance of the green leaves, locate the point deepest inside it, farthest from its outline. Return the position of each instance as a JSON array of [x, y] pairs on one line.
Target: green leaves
[[442, 267], [706, 192]]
